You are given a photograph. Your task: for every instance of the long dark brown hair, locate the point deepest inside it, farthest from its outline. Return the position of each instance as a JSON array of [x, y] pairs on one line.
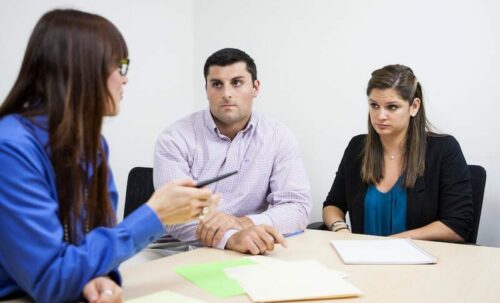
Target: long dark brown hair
[[403, 81], [63, 76]]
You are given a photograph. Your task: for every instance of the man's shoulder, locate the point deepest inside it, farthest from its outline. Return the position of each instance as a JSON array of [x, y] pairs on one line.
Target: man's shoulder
[[266, 123], [187, 125], [189, 120]]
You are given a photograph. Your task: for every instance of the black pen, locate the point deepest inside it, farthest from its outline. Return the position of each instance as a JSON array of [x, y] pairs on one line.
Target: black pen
[[210, 181]]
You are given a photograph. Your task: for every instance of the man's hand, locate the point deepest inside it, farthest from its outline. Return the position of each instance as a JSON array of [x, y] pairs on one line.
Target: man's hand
[[102, 290], [211, 229], [255, 240]]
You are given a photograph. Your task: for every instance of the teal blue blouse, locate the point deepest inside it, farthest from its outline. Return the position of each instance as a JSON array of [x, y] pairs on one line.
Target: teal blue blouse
[[385, 213]]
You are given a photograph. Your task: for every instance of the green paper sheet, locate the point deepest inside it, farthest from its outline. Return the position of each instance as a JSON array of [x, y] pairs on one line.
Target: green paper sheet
[[164, 297], [211, 276]]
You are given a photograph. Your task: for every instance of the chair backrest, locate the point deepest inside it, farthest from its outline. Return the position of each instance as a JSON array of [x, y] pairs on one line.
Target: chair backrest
[[478, 180], [139, 188]]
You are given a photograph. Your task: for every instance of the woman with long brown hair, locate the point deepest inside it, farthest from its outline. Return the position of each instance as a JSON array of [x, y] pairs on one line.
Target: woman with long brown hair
[[58, 200], [401, 179]]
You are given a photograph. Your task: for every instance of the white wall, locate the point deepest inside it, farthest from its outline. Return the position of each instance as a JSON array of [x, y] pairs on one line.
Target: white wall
[[159, 35], [314, 59]]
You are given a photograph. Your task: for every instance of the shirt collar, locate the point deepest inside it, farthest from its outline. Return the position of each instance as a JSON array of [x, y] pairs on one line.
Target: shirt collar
[[212, 127]]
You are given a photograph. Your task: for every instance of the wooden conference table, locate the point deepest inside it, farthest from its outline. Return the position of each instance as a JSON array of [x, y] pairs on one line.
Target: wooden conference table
[[464, 273]]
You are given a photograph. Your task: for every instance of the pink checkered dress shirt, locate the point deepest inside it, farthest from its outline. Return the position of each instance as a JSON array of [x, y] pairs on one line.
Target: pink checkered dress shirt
[[271, 186]]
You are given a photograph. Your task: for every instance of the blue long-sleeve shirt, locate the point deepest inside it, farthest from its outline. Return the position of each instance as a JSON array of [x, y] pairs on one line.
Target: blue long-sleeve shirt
[[34, 259]]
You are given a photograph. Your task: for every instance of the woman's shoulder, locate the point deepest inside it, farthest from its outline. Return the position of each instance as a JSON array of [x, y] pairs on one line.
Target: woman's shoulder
[[19, 132], [355, 147], [359, 138], [12, 128], [443, 147], [357, 141], [441, 141]]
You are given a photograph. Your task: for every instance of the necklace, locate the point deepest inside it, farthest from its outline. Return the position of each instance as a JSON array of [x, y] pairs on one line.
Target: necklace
[[392, 157], [87, 223]]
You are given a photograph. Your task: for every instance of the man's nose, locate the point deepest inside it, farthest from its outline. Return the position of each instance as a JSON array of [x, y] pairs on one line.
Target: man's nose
[[228, 92]]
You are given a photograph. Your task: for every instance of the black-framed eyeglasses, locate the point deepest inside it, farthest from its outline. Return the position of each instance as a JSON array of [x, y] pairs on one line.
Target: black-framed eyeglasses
[[123, 66]]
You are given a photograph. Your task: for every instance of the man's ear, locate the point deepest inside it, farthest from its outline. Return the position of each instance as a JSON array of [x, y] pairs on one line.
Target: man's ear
[[256, 88]]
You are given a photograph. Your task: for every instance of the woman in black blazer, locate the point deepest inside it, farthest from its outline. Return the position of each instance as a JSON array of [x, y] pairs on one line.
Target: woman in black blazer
[[401, 179]]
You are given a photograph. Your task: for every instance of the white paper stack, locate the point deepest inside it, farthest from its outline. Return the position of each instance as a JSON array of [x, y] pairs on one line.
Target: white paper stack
[[291, 280], [387, 251]]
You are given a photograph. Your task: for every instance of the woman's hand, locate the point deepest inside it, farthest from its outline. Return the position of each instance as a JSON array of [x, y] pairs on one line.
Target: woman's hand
[[102, 290], [180, 201]]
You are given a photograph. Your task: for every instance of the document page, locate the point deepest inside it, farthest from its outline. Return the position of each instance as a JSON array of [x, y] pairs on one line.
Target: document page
[[387, 251], [292, 280]]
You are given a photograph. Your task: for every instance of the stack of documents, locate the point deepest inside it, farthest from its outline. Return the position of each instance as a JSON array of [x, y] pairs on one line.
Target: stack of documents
[[387, 251], [291, 280], [210, 276]]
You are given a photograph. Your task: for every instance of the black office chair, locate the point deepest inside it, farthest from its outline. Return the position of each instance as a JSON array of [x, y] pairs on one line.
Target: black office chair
[[139, 188], [478, 181]]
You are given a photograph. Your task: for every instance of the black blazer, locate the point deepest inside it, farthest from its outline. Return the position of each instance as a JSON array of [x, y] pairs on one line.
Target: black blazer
[[444, 193]]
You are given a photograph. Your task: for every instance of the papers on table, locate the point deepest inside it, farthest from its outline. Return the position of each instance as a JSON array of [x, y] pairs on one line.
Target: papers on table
[[291, 280], [266, 279], [164, 297], [211, 277], [387, 251]]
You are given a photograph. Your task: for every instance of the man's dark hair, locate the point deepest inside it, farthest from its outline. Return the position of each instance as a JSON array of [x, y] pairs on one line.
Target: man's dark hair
[[228, 56]]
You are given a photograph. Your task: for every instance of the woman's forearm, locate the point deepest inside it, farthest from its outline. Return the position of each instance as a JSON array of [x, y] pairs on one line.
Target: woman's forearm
[[435, 231]]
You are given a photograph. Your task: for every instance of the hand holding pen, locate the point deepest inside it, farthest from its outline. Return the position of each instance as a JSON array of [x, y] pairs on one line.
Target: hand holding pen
[[184, 200], [200, 184]]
